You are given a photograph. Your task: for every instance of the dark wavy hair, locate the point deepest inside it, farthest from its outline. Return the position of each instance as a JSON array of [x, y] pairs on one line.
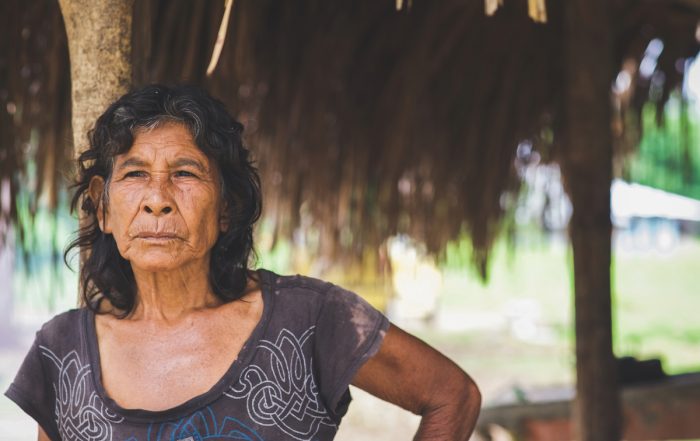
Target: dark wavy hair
[[105, 273]]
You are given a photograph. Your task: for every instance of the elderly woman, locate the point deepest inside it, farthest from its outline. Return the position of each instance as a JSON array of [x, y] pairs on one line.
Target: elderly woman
[[179, 339]]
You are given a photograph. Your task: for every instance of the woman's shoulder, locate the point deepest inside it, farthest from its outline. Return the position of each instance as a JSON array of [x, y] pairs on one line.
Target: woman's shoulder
[[295, 284], [300, 297], [63, 326], [307, 291]]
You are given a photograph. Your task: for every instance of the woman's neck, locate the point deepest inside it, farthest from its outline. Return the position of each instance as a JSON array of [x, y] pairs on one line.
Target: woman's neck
[[168, 296]]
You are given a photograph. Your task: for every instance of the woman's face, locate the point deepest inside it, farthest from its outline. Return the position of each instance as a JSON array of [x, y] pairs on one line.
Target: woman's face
[[164, 201]]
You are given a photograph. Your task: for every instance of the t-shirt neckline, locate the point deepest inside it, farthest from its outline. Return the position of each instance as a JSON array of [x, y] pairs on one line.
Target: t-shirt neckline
[[216, 391]]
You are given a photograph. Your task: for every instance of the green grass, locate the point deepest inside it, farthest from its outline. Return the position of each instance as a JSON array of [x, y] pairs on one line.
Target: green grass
[[655, 296], [658, 301], [540, 273]]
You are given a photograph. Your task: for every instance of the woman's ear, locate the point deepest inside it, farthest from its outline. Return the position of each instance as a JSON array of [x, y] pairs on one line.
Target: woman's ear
[[96, 193]]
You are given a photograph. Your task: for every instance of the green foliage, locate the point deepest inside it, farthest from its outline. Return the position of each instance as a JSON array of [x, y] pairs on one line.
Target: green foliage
[[41, 281], [668, 156]]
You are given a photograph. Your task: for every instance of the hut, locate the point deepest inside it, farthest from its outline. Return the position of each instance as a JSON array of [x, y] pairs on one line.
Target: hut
[[368, 121]]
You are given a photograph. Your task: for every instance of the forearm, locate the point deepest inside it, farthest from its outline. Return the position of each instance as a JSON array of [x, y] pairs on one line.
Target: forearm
[[416, 377], [454, 419]]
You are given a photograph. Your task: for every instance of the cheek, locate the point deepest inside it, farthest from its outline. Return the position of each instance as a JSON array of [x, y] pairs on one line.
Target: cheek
[[203, 209], [124, 203]]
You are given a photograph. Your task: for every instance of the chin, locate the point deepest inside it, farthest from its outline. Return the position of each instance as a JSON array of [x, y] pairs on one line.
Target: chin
[[157, 262], [155, 267]]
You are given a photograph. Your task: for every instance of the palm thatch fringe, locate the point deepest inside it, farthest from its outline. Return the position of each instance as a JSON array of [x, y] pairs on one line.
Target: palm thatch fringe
[[366, 123]]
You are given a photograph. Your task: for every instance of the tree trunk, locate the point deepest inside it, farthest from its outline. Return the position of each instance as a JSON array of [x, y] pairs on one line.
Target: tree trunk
[[99, 44], [587, 167], [99, 47]]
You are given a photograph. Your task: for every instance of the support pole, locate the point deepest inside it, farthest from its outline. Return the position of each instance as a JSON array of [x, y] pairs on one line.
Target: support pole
[[99, 44], [587, 168]]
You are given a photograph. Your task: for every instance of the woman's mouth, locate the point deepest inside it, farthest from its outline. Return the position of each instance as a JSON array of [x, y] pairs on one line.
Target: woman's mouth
[[157, 237]]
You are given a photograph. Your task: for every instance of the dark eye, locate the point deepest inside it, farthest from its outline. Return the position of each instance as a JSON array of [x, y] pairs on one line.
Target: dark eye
[[135, 174], [184, 174]]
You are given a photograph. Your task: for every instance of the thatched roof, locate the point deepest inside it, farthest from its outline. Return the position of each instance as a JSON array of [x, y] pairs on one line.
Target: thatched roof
[[365, 121]]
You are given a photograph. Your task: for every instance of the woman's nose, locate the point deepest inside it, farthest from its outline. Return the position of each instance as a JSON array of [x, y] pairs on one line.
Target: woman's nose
[[158, 201], [157, 209]]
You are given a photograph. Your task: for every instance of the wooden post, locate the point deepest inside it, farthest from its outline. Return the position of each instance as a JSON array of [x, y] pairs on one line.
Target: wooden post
[[587, 166], [99, 47], [99, 44]]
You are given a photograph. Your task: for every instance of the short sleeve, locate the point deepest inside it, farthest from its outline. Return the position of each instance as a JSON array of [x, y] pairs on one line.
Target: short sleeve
[[32, 390], [349, 331]]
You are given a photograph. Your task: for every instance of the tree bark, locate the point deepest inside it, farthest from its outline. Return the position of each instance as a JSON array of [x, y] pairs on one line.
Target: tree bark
[[99, 45], [99, 48], [587, 167]]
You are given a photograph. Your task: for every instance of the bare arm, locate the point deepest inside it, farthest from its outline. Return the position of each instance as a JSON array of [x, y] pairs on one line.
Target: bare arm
[[411, 374], [42, 435]]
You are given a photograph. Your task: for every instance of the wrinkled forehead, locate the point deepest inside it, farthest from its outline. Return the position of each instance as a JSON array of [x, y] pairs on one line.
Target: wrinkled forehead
[[171, 143]]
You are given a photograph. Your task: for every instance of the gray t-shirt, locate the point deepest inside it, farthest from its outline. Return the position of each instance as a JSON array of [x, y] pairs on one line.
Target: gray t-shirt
[[289, 382]]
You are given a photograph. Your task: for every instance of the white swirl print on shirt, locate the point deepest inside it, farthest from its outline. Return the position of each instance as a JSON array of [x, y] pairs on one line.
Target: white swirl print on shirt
[[80, 413], [283, 393]]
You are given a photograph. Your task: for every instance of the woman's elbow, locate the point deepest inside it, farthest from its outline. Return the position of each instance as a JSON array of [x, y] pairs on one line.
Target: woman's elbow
[[454, 411], [457, 394], [468, 396]]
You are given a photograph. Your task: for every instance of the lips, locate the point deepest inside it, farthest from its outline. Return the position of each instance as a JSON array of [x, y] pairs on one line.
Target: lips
[[157, 236]]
